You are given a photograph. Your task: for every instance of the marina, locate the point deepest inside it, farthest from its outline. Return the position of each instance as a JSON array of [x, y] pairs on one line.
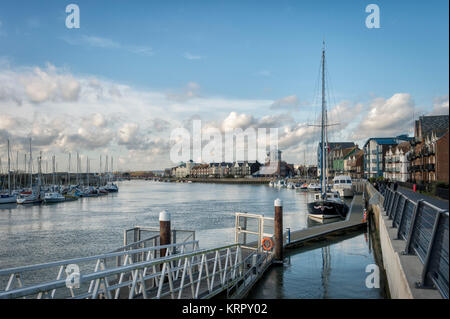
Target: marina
[[224, 156], [105, 239]]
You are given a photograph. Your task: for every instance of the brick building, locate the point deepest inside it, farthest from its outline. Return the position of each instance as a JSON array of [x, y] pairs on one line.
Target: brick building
[[425, 167]]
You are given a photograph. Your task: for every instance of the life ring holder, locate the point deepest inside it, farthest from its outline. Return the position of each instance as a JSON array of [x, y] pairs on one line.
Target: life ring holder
[[269, 241]]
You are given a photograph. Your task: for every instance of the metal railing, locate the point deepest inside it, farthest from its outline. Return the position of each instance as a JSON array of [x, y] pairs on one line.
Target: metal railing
[[425, 229], [36, 280], [251, 229], [179, 270]]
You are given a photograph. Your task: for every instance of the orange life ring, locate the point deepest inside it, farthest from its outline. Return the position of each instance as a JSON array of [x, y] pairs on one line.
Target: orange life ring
[[267, 240]]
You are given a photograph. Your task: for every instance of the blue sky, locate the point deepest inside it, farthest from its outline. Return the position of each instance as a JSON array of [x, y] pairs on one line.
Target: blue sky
[[239, 50]]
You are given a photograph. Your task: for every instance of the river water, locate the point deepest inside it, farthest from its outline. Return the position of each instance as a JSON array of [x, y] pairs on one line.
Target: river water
[[89, 226]]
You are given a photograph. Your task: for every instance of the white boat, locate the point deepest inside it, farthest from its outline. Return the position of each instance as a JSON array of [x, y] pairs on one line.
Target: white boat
[[32, 198], [271, 184], [7, 198], [290, 185], [281, 183], [343, 185], [112, 188], [314, 187], [53, 197]]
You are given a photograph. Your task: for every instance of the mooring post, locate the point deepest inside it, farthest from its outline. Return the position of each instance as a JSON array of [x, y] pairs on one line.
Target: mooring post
[[278, 231], [164, 230]]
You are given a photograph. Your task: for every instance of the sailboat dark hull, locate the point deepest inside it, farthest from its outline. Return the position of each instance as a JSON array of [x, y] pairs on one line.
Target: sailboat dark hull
[[327, 209]]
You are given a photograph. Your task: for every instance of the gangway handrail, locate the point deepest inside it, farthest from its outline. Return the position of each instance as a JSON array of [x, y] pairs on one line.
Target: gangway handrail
[[101, 274], [13, 270]]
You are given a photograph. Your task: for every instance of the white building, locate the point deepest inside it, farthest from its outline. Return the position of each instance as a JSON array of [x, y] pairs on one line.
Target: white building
[[184, 169], [396, 162]]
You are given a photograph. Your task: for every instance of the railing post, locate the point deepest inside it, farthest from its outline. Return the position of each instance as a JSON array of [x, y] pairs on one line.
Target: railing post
[[402, 213], [164, 231], [395, 208], [411, 229], [394, 202], [396, 212], [278, 231], [424, 283]]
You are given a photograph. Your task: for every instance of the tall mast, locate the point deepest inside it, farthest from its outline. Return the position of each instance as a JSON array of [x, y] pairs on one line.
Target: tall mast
[[78, 168], [31, 167], [53, 171], [16, 170], [9, 171], [68, 172], [87, 170], [112, 167], [323, 159]]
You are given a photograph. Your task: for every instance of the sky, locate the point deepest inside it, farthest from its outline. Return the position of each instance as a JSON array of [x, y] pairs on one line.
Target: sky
[[136, 70]]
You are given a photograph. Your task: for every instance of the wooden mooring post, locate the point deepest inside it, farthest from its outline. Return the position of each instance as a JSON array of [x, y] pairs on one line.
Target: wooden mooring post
[[164, 231], [278, 231]]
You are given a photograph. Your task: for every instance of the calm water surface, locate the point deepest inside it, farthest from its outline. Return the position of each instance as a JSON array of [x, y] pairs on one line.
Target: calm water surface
[[89, 226]]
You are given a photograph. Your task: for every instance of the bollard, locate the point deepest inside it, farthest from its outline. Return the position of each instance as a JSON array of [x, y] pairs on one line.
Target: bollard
[[414, 187], [164, 231], [278, 231]]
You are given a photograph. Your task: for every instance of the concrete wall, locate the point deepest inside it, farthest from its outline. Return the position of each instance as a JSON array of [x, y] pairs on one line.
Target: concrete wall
[[402, 271]]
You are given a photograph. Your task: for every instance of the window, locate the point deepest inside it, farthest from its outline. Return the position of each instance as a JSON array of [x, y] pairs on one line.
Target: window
[[349, 181]]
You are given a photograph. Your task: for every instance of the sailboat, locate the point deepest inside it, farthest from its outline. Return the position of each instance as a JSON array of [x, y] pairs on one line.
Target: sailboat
[[8, 198], [327, 203], [35, 196]]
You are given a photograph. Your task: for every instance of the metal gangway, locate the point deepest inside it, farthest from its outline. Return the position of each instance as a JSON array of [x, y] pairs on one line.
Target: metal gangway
[[142, 269]]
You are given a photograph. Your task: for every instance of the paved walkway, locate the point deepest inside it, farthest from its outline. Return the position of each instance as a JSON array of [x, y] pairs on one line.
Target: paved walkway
[[415, 196]]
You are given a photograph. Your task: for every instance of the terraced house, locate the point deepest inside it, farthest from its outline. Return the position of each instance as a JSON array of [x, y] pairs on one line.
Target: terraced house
[[375, 150], [429, 155], [339, 157], [397, 163]]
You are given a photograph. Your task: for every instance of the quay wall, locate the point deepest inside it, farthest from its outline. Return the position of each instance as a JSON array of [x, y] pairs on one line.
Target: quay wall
[[402, 271]]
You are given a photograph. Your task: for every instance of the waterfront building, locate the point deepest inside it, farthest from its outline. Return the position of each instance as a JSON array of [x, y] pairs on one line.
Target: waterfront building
[[331, 148], [184, 169], [429, 157], [354, 165], [396, 162], [375, 149], [219, 170], [274, 166], [339, 157]]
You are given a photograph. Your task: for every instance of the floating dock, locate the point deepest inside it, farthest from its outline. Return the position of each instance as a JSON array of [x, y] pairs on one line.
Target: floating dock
[[355, 220]]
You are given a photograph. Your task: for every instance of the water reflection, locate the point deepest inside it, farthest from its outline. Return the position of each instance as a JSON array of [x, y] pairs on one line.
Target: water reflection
[[330, 269], [42, 233]]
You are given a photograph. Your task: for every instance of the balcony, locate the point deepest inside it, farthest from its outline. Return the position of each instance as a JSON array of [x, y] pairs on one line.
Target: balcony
[[429, 167]]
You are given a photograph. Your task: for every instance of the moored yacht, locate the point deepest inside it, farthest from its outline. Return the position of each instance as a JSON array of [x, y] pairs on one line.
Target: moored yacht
[[343, 185], [8, 198], [53, 197], [327, 203]]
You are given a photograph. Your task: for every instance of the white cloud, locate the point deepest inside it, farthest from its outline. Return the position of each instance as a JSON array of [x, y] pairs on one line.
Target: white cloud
[[289, 102], [106, 43], [190, 56], [387, 117], [440, 105]]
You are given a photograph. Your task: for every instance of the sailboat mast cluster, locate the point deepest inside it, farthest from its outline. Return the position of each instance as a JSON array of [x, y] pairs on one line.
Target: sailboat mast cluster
[[60, 187]]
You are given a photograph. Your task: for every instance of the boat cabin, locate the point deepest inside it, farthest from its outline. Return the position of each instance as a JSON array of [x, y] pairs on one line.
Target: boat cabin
[[332, 195], [342, 180]]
